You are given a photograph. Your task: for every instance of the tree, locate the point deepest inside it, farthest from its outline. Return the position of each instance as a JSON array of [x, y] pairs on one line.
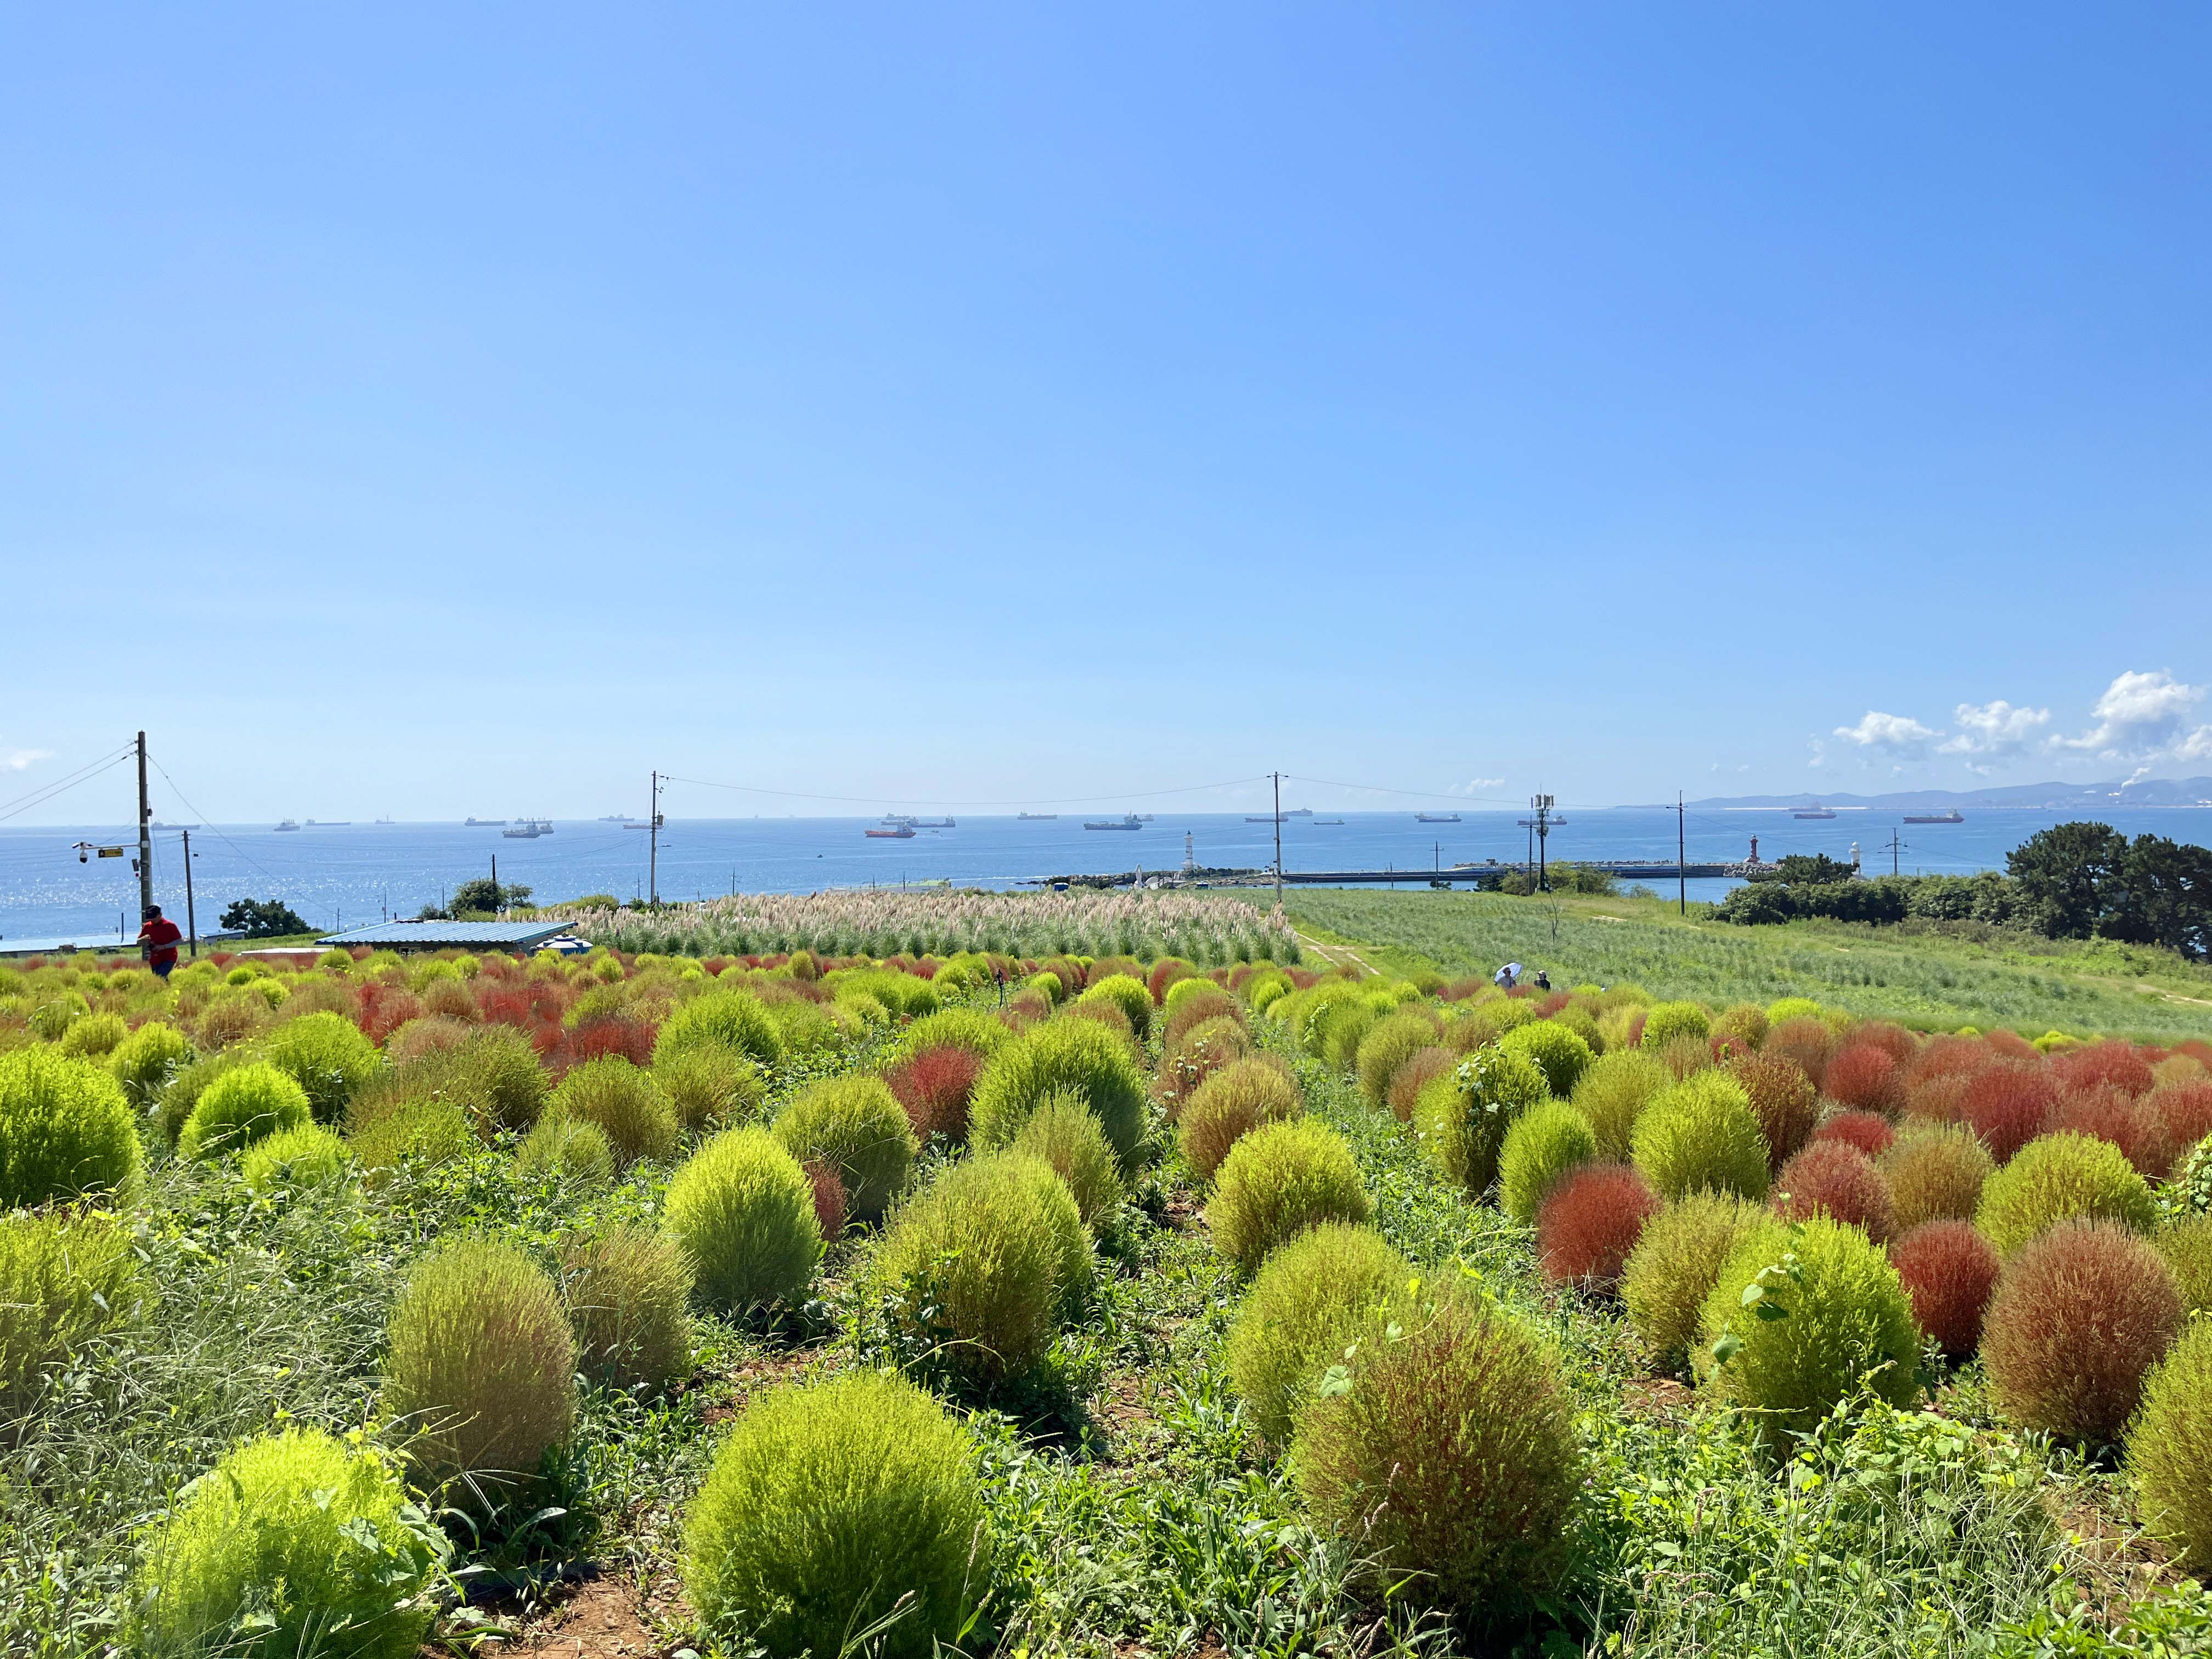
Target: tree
[[481, 897], [1816, 870], [2161, 894], [263, 919], [2069, 874]]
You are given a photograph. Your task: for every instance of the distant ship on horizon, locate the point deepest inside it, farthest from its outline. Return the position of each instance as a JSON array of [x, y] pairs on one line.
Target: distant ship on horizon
[[898, 832], [1035, 818], [528, 829], [1127, 821], [485, 823], [1953, 815], [1815, 811], [1436, 818], [329, 824], [615, 817], [288, 824]]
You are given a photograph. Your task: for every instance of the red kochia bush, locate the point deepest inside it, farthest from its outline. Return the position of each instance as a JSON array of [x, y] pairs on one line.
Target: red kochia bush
[[828, 1198], [1806, 1039], [1939, 1097], [2011, 1045], [382, 1008], [2186, 1109], [2082, 1313], [2006, 1105], [1900, 1044], [935, 1086], [1552, 1005], [1869, 1132], [612, 1034], [2116, 1063], [1590, 1221], [1422, 1066], [1865, 1078], [1949, 1056], [1782, 1096], [1949, 1270], [2109, 1112], [1164, 974], [1835, 1179]]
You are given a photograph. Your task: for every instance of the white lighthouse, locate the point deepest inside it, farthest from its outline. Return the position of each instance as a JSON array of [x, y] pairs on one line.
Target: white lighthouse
[[1189, 858]]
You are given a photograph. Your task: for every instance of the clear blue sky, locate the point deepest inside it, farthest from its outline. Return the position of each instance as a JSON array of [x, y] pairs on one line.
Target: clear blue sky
[[433, 412]]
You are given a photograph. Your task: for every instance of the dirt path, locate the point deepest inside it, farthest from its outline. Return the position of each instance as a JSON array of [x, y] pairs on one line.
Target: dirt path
[[1334, 955]]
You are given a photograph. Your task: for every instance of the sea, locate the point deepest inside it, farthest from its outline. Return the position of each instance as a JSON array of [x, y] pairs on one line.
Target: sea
[[340, 875]]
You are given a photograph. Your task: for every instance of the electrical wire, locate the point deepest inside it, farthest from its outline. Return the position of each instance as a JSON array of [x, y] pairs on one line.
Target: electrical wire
[[46, 792], [193, 808]]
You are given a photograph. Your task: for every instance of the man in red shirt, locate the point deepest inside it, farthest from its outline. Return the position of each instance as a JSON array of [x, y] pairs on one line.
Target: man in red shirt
[[157, 941]]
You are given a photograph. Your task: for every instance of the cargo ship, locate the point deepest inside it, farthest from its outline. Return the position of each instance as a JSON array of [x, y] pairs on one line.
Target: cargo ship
[[287, 825], [484, 823], [898, 832], [1436, 818], [1129, 821], [1035, 818], [1955, 816], [1815, 811]]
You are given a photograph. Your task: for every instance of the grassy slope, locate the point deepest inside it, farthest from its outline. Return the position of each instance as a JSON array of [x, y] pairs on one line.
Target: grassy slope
[[1922, 979]]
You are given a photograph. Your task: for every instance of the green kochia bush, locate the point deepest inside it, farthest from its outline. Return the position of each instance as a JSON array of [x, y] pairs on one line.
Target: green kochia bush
[[1673, 1267], [94, 1037], [1561, 1056], [628, 1294], [1801, 1317], [305, 1156], [1126, 994], [1546, 1142], [1065, 1133], [1451, 1463], [732, 1019], [2062, 1178], [241, 1107], [1078, 1055], [327, 1056], [1388, 1046], [856, 1124], [292, 1545], [971, 1029], [2170, 1451], [1613, 1092], [638, 1119], [708, 1084], [1667, 1020], [1701, 1134], [1278, 1181], [65, 1129], [826, 1506], [978, 1267], [62, 1282], [744, 1212], [1460, 1118], [481, 1364], [144, 1061], [1306, 1304], [566, 1149]]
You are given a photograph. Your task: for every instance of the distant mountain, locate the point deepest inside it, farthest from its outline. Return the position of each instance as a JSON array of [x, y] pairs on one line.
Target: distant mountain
[[2037, 797]]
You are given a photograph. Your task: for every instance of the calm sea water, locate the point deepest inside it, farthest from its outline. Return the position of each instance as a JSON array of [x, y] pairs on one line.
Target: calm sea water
[[357, 873]]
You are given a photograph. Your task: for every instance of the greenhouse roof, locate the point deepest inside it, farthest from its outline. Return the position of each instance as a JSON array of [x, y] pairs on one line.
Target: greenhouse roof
[[451, 935]]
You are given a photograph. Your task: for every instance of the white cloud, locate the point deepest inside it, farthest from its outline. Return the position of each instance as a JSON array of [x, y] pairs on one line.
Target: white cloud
[[2141, 713], [1474, 786], [2196, 746], [1993, 728], [1898, 733], [18, 760]]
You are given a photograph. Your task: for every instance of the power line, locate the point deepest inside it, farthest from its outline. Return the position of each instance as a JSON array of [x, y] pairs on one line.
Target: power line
[[193, 807], [85, 774], [1411, 794]]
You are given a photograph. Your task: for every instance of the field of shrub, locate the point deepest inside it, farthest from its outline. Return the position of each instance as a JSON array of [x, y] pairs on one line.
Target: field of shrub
[[779, 1303], [1929, 975], [1203, 928]]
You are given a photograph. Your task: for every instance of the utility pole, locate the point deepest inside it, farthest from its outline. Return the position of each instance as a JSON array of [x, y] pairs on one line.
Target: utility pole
[[191, 922], [1682, 858], [1543, 805], [1279, 839], [1895, 847], [145, 835], [653, 866], [494, 884]]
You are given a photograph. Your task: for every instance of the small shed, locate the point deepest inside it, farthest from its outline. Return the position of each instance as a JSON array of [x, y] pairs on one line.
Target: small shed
[[449, 936]]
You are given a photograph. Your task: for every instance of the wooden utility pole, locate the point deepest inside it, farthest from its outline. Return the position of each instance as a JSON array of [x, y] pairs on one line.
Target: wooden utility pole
[[191, 922], [1682, 858], [653, 852], [494, 884], [145, 837], [1279, 839]]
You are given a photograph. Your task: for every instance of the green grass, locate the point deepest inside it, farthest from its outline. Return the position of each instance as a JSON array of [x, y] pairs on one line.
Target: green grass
[[1923, 978]]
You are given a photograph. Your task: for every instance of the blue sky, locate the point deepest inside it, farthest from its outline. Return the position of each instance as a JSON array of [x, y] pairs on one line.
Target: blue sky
[[427, 413]]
